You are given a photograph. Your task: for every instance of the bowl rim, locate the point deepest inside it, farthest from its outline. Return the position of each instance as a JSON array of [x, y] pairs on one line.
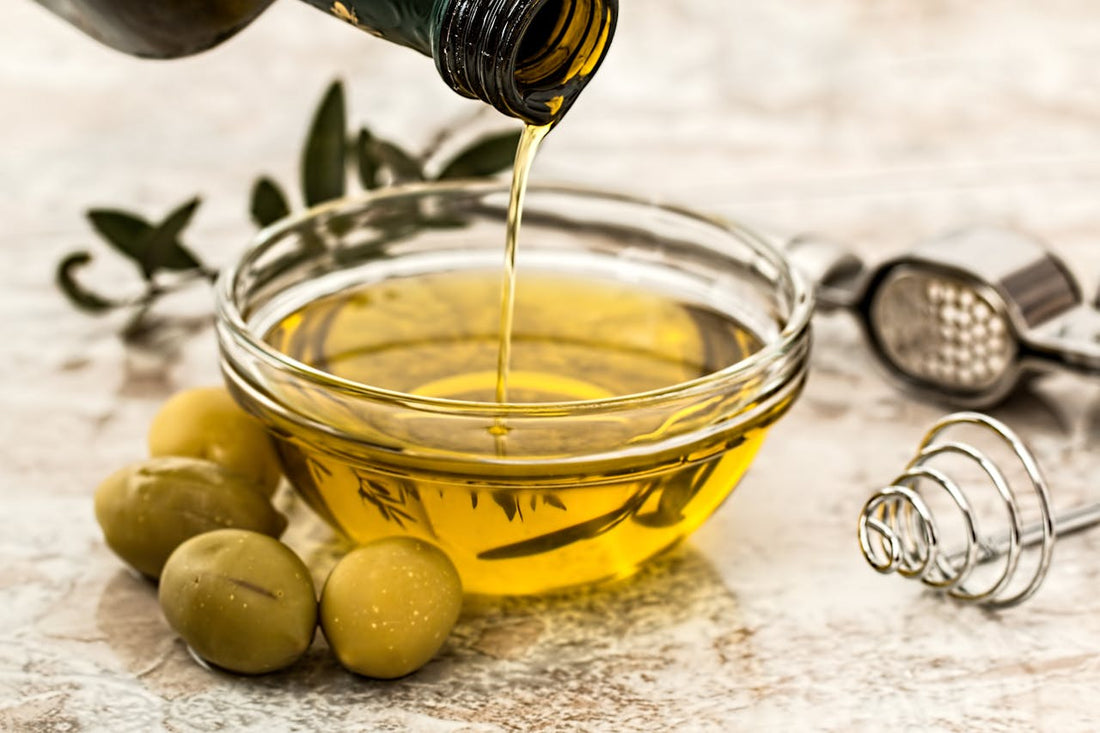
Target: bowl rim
[[231, 324]]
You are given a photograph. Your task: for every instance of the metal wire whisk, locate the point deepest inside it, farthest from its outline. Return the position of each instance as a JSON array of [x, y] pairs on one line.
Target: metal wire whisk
[[898, 532]]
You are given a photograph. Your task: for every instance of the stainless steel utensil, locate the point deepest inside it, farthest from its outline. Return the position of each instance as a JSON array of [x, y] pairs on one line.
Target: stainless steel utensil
[[899, 532], [962, 317]]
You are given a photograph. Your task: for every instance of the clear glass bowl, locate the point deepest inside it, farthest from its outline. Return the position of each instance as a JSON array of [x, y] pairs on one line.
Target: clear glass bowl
[[525, 497]]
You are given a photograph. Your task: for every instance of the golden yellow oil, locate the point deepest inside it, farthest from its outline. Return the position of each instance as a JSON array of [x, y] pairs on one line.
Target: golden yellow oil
[[514, 512], [528, 148]]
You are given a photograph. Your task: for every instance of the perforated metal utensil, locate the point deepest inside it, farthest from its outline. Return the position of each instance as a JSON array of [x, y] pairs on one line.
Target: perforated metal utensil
[[962, 317]]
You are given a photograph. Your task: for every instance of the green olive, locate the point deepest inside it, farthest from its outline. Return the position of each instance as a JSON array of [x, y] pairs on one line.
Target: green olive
[[387, 607], [206, 423], [241, 600], [148, 508]]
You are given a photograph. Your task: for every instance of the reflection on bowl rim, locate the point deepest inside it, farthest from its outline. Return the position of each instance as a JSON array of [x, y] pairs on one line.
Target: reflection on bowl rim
[[231, 324]]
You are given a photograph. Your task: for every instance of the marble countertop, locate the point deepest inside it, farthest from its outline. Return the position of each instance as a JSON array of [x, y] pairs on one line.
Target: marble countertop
[[879, 124]]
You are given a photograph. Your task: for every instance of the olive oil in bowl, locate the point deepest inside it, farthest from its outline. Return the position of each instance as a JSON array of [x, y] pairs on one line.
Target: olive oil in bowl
[[650, 352], [573, 338]]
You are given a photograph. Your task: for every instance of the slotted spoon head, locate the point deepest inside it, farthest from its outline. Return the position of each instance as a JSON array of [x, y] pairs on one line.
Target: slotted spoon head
[[951, 318]]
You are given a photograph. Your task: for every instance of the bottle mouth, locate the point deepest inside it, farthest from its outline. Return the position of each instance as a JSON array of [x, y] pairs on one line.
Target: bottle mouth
[[529, 59]]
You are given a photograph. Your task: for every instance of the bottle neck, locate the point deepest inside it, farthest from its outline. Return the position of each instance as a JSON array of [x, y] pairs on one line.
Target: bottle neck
[[528, 58]]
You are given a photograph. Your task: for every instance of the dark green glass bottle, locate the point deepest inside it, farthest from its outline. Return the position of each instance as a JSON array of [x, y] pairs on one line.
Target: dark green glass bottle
[[528, 58]]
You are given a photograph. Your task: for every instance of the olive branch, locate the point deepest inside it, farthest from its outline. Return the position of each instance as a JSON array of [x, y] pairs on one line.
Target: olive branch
[[330, 157], [390, 504]]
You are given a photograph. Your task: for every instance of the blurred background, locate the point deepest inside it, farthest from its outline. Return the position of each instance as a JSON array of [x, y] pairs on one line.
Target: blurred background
[[876, 122]]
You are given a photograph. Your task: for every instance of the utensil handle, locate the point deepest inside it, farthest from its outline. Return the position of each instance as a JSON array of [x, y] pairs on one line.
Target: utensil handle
[[835, 272], [1067, 523], [1071, 341]]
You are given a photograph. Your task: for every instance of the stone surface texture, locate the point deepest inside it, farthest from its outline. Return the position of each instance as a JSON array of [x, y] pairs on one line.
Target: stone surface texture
[[878, 123]]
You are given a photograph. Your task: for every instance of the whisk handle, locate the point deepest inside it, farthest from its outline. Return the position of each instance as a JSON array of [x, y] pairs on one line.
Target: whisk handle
[[1066, 523]]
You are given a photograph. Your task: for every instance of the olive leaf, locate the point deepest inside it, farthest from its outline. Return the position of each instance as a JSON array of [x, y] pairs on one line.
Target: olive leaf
[[147, 246], [676, 493], [546, 500], [163, 250], [77, 294], [576, 533], [390, 506], [368, 164], [269, 203], [484, 158], [508, 502], [124, 232], [554, 501], [381, 162], [152, 248], [324, 176], [401, 166]]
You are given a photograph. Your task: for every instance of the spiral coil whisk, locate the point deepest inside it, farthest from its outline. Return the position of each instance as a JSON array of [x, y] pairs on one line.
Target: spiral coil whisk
[[898, 531]]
